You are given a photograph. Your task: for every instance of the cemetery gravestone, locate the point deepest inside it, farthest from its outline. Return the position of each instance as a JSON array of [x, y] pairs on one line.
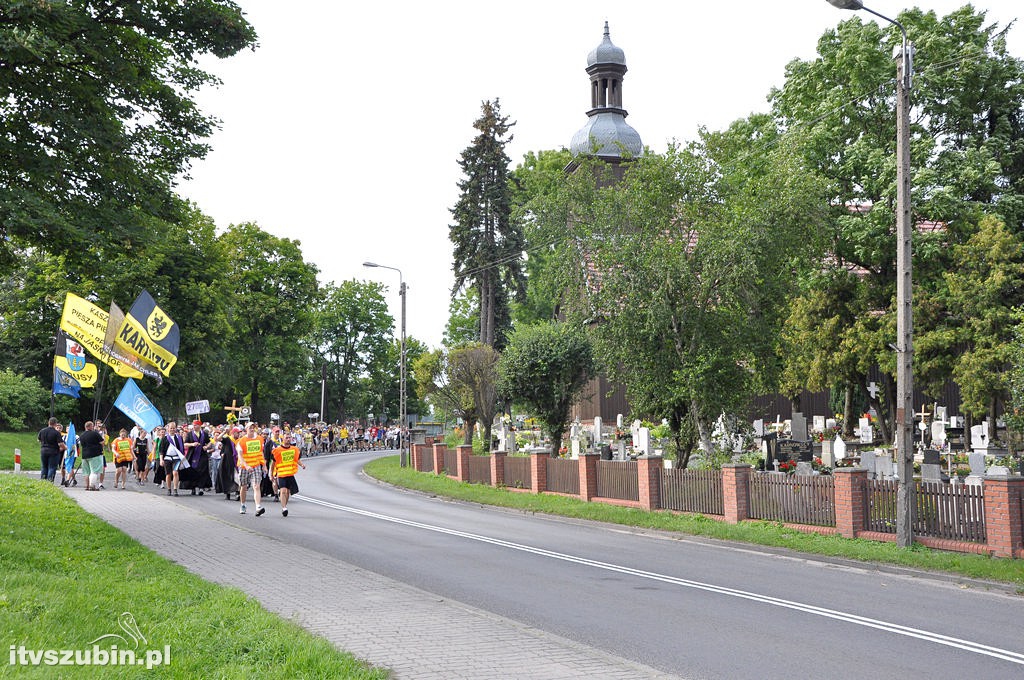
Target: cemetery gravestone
[[883, 465], [931, 469], [828, 457], [867, 461], [866, 432], [790, 449], [642, 443], [798, 427], [839, 448]]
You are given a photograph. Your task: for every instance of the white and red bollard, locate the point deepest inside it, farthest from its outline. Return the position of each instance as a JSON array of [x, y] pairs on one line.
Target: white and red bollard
[[17, 461]]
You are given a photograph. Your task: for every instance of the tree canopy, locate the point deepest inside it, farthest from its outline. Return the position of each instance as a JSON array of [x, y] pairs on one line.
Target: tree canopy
[[97, 118]]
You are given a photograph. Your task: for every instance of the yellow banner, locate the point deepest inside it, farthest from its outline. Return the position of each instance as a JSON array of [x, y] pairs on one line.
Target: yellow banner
[[85, 377], [87, 323]]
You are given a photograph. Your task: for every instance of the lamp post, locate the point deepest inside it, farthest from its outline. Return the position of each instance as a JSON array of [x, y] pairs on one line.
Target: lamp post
[[904, 288], [402, 437]]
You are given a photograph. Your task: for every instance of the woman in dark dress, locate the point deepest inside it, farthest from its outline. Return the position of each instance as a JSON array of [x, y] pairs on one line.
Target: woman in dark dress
[[226, 477]]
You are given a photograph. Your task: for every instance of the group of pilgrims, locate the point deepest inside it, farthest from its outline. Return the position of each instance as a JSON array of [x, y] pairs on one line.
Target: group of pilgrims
[[228, 460]]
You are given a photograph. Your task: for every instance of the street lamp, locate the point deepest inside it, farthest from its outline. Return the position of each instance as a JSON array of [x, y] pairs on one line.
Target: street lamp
[[403, 448], [904, 289]]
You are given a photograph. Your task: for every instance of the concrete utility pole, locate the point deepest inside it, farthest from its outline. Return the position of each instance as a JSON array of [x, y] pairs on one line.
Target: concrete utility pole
[[904, 286]]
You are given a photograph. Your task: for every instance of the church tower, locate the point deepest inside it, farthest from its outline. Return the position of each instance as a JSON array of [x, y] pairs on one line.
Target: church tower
[[606, 134]]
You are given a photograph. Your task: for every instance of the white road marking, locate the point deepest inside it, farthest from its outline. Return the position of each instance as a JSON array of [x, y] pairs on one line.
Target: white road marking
[[907, 631]]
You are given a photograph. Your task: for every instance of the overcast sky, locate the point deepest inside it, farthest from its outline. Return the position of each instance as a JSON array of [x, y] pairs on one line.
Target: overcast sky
[[344, 128]]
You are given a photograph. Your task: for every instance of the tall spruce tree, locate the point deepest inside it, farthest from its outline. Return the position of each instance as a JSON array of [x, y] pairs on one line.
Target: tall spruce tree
[[488, 242]]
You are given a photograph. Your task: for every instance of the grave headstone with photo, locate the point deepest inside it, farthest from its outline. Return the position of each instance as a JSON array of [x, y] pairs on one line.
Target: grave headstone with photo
[[865, 431]]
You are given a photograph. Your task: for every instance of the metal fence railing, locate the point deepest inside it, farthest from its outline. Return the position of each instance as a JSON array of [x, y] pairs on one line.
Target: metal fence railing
[[618, 479], [692, 491], [563, 475], [517, 472], [800, 499], [480, 469]]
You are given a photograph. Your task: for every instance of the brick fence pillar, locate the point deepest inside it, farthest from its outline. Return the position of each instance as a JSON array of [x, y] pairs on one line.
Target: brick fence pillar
[[736, 492], [648, 470], [498, 468], [1004, 523], [462, 465], [418, 451], [588, 475], [851, 500], [539, 471], [438, 453]]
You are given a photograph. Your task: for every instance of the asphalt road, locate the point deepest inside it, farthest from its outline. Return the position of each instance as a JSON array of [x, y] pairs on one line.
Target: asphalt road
[[689, 607]]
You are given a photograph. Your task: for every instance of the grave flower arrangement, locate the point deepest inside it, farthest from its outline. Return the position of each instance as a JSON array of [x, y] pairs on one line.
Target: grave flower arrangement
[[787, 466]]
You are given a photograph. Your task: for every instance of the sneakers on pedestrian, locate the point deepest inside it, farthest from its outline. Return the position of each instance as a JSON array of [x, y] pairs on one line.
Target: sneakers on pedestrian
[[168, 492], [260, 511], [102, 487], [241, 510], [284, 512]]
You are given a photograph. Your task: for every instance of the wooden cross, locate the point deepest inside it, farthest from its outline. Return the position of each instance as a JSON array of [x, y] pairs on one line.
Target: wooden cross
[[233, 407]]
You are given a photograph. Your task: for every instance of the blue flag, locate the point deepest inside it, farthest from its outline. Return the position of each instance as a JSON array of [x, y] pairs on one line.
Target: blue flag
[[134, 404], [63, 383], [70, 439]]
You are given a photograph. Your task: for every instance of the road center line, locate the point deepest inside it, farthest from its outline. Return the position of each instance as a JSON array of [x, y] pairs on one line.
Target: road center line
[[927, 636]]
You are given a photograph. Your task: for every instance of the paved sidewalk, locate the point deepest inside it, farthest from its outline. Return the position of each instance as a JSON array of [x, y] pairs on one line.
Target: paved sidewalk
[[414, 633]]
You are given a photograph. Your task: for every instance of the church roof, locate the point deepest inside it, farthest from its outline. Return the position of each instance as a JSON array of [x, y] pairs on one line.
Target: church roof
[[606, 52], [607, 135]]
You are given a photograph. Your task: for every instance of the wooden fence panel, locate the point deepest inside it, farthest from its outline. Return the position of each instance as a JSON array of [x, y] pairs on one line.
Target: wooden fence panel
[[517, 472], [948, 511], [480, 470], [693, 491], [451, 462], [618, 479], [564, 475], [797, 499]]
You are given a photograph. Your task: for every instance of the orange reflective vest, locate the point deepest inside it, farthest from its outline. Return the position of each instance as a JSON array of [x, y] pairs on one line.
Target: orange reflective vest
[[252, 450], [286, 461], [122, 450]]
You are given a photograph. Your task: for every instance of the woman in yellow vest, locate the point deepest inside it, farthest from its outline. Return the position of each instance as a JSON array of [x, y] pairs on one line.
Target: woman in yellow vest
[[123, 457], [286, 464]]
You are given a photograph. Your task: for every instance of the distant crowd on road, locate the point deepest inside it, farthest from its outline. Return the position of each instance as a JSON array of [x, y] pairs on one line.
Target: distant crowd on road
[[202, 458]]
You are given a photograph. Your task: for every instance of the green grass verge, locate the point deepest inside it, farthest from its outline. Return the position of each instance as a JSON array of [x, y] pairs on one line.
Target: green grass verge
[[29, 445], [66, 577], [756, 532]]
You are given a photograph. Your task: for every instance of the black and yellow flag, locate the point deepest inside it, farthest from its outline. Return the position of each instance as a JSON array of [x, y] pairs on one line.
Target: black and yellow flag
[[150, 333]]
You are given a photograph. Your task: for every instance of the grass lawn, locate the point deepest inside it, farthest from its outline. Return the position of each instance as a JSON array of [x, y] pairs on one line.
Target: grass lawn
[[29, 445], [66, 576], [757, 532]]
